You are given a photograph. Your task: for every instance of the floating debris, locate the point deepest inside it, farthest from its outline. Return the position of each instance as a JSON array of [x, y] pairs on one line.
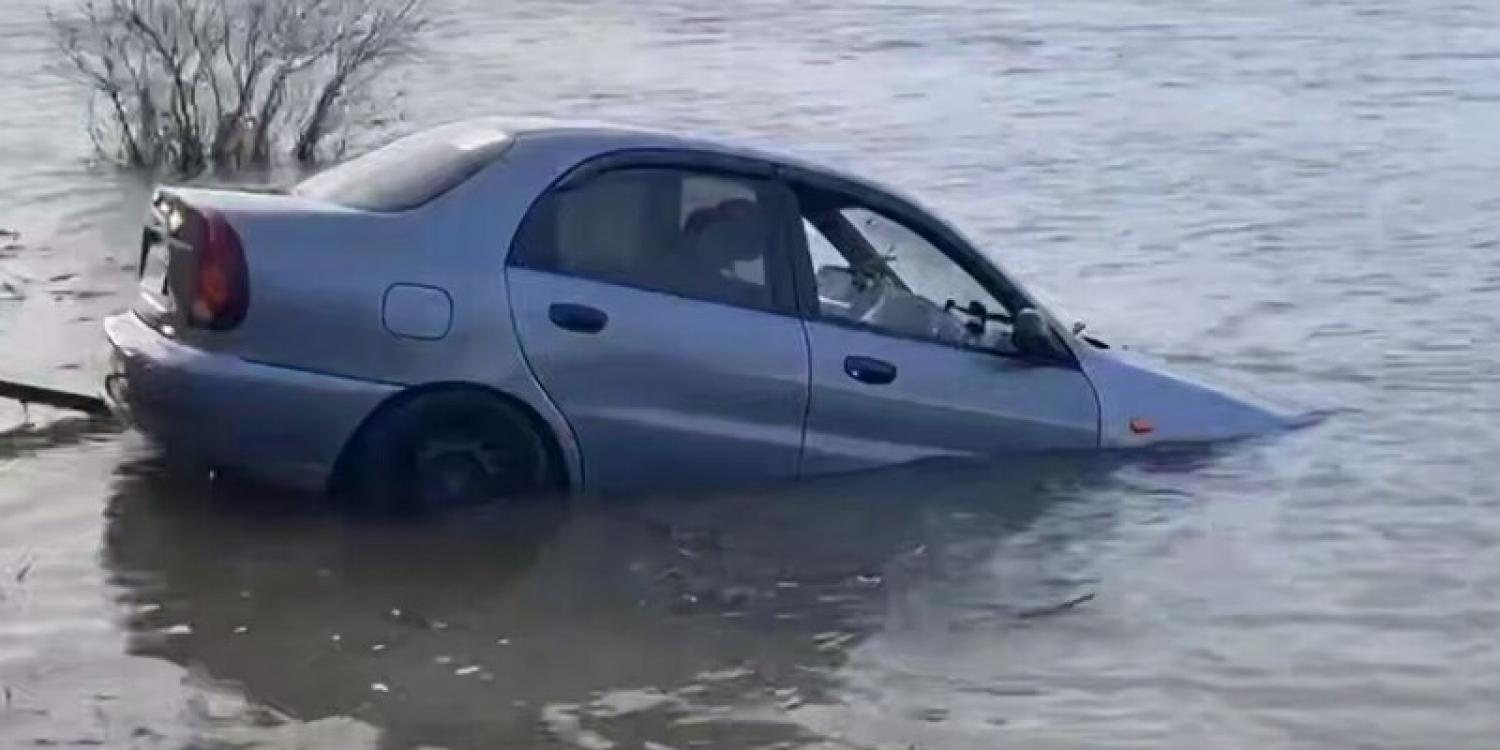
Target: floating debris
[[465, 671], [1029, 614], [931, 715], [724, 675], [380, 687], [179, 629], [836, 642], [377, 648], [838, 598], [80, 294], [239, 629], [416, 619]]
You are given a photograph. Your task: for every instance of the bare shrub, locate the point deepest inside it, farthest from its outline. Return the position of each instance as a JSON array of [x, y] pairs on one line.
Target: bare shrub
[[188, 85]]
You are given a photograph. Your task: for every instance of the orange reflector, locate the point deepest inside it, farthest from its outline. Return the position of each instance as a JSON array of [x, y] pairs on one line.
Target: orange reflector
[[1142, 426]]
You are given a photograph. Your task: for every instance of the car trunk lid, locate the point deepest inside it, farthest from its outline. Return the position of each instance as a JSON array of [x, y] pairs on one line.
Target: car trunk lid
[[193, 270]]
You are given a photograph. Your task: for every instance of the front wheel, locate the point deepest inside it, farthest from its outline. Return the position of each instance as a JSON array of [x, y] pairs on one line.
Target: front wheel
[[449, 449]]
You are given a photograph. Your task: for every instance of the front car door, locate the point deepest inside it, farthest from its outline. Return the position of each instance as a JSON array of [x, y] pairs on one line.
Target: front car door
[[911, 351], [655, 305]]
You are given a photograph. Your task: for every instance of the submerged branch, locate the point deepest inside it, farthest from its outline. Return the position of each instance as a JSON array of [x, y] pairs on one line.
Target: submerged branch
[[196, 84]]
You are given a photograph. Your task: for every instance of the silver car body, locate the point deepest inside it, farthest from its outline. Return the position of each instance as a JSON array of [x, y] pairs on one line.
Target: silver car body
[[354, 309]]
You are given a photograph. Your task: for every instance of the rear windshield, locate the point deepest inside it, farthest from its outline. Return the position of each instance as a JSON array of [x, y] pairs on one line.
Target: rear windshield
[[411, 171]]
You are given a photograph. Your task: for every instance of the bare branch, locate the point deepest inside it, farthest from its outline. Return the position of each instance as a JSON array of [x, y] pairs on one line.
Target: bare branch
[[376, 35], [192, 84]]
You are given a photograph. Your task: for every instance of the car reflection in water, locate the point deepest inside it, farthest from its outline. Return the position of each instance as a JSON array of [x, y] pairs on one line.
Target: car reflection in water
[[675, 619]]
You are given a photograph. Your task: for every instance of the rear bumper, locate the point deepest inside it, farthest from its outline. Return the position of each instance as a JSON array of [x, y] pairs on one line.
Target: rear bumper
[[280, 425]]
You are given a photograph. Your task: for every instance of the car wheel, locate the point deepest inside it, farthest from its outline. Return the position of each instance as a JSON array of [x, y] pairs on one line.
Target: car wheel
[[448, 450]]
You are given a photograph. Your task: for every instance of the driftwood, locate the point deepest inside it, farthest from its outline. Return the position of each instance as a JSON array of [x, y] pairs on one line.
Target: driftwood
[[35, 394], [1055, 609]]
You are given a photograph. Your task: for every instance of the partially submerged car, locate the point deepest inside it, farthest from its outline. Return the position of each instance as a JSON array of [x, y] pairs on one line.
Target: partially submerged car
[[496, 307]]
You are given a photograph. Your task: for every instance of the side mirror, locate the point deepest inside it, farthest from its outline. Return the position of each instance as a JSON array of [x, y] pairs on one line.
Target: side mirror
[[1032, 337]]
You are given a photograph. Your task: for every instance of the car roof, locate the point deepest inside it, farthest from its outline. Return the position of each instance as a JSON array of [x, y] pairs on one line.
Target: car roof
[[610, 136]]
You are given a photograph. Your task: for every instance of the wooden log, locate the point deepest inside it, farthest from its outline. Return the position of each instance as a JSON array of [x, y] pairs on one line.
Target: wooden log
[[36, 394]]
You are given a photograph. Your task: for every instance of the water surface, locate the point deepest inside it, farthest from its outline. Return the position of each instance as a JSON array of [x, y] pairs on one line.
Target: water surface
[[1295, 196]]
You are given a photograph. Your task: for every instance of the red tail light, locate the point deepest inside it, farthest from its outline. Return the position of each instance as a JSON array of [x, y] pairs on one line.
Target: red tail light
[[220, 285]]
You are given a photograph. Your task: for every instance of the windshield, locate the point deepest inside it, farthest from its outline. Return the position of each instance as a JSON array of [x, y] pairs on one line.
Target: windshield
[[409, 172]]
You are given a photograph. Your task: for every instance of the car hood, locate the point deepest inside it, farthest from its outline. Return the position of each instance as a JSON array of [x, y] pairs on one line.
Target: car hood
[[1143, 403]]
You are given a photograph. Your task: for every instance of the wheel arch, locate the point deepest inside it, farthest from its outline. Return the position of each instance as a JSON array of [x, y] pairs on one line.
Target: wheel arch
[[563, 476]]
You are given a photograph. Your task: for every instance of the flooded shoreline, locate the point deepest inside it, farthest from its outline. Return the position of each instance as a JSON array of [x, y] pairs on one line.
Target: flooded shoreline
[[1297, 197]]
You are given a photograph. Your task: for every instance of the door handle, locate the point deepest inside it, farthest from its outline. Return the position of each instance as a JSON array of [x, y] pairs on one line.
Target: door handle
[[869, 370], [579, 318]]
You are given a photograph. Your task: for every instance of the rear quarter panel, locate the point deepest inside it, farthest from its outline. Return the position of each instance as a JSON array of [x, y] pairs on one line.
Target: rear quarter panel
[[319, 275]]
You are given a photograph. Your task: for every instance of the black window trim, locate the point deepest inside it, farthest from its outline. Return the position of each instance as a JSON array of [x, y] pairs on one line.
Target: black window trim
[[780, 267]]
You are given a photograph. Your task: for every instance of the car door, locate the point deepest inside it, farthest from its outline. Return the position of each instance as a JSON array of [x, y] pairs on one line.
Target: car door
[[911, 350], [655, 306]]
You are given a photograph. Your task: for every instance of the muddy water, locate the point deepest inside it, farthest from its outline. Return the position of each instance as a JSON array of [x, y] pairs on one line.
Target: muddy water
[[1292, 195]]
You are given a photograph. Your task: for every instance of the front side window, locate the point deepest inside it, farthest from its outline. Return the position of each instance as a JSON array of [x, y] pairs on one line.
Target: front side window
[[876, 272], [706, 236]]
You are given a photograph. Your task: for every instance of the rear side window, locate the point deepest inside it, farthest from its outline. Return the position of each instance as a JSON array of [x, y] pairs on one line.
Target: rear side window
[[411, 171], [702, 235]]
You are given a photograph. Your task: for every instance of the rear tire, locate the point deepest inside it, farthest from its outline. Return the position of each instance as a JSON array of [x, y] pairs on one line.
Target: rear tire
[[449, 449]]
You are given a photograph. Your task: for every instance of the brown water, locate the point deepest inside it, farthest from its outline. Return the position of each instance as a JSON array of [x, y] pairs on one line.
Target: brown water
[[1291, 194]]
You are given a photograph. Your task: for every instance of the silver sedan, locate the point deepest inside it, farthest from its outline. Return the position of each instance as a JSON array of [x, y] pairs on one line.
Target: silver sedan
[[498, 307]]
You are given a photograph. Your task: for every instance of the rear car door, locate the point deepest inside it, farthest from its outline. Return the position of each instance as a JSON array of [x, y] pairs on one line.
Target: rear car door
[[655, 305], [911, 351]]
